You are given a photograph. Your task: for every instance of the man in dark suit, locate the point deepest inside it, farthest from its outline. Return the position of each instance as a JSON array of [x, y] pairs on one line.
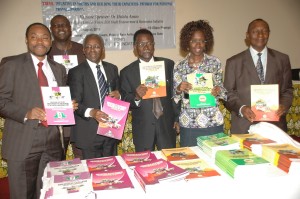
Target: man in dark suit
[[241, 73], [86, 90], [28, 145], [148, 131]]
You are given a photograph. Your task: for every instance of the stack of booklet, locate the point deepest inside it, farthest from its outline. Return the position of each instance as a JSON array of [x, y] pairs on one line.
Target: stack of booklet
[[135, 158], [150, 175], [284, 156], [80, 178], [210, 144], [187, 159], [241, 163], [252, 142]]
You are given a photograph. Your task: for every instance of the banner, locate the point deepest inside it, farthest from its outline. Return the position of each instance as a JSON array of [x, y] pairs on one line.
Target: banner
[[116, 21]]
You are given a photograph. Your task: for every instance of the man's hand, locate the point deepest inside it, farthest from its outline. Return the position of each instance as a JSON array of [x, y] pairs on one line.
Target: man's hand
[[75, 105], [248, 113], [36, 114], [140, 91], [176, 127], [115, 94], [281, 110], [99, 115]]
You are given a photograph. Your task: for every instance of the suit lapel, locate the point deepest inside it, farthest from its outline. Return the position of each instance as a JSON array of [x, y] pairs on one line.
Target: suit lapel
[[30, 73], [248, 63], [270, 64], [55, 72], [89, 77]]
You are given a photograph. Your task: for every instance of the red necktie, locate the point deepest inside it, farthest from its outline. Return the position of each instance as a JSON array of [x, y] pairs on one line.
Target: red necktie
[[43, 82]]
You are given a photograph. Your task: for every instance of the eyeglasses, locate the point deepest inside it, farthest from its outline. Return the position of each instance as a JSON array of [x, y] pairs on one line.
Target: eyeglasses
[[95, 47], [196, 41], [143, 44]]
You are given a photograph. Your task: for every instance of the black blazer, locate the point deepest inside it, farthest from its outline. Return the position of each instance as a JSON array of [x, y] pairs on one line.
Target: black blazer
[[142, 116], [84, 90]]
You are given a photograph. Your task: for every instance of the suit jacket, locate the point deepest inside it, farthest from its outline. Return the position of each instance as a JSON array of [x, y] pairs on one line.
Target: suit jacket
[[20, 92], [240, 73], [84, 90], [142, 116]]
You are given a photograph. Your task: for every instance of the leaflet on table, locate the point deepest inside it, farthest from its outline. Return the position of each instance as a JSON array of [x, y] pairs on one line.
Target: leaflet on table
[[117, 112], [65, 167], [197, 168], [58, 105], [111, 180], [135, 158], [183, 153], [70, 184], [265, 102], [154, 77], [200, 95], [158, 171], [69, 61], [103, 164]]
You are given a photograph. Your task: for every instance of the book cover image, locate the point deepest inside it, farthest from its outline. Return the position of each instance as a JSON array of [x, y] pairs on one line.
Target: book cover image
[[156, 171], [183, 153], [154, 77], [200, 95], [265, 102], [103, 164], [58, 105], [197, 168], [116, 179], [117, 111], [132, 159]]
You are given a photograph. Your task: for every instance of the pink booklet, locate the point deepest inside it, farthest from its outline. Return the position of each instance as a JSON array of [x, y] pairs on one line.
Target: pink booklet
[[117, 111], [109, 180], [58, 105], [135, 158], [103, 164]]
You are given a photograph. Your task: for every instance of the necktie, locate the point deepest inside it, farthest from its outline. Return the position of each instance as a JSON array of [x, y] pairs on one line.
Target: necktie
[[157, 108], [43, 82], [102, 85], [260, 69]]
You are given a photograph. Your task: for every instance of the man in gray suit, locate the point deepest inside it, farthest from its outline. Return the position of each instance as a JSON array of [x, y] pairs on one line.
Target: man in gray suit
[[86, 90], [241, 73], [27, 144]]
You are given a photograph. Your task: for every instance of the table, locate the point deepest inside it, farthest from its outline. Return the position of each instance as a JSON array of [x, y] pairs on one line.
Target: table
[[277, 185]]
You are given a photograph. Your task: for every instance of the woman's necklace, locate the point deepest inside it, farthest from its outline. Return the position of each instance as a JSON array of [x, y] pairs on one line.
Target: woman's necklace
[[194, 63]]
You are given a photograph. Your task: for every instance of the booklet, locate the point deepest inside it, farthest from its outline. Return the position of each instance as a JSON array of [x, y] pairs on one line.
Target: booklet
[[265, 102], [154, 77], [69, 61], [200, 95], [58, 105], [117, 111]]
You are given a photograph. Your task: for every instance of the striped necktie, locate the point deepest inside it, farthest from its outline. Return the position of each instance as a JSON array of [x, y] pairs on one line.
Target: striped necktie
[[260, 69], [103, 88]]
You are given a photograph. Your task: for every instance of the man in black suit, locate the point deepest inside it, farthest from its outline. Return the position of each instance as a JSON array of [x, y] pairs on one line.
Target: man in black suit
[[86, 90], [148, 131], [28, 145]]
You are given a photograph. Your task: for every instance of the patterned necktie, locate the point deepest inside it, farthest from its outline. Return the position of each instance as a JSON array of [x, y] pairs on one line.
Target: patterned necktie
[[43, 82], [260, 69], [102, 85], [157, 108]]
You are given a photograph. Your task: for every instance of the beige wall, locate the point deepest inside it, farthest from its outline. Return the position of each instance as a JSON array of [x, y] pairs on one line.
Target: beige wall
[[229, 18]]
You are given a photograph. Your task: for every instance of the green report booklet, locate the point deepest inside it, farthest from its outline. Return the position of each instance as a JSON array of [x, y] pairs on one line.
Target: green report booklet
[[200, 94]]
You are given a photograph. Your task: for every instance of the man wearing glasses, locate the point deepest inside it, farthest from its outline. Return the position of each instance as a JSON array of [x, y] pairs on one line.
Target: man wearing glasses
[[150, 131], [89, 83]]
